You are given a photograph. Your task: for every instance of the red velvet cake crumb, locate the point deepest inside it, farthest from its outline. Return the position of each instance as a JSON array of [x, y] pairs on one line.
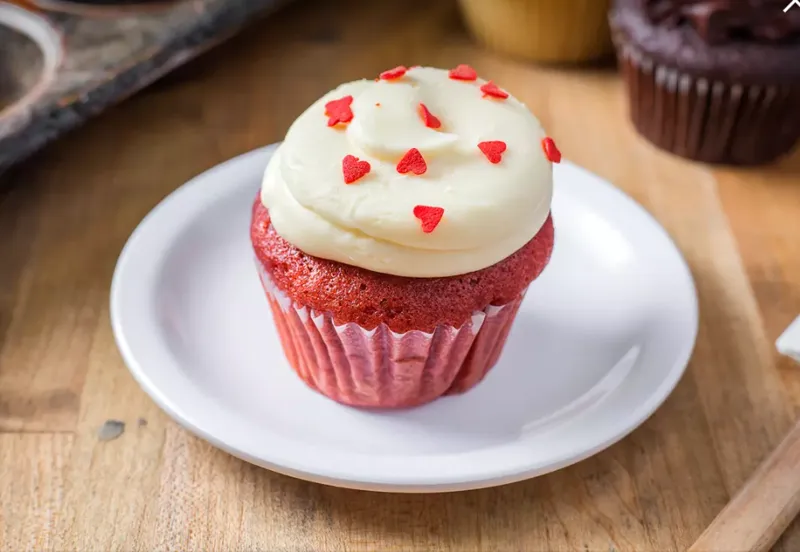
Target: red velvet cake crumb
[[368, 298]]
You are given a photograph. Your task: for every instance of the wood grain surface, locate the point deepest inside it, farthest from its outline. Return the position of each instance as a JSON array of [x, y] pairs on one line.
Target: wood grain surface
[[67, 212], [763, 508]]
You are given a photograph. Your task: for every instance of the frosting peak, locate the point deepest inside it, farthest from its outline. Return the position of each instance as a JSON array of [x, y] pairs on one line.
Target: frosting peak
[[490, 208], [727, 21], [388, 123]]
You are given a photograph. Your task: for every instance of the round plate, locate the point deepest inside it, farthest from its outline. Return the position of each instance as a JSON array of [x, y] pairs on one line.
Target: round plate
[[600, 341]]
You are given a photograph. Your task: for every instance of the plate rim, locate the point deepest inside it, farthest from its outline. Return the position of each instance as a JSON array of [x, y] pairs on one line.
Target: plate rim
[[384, 483]]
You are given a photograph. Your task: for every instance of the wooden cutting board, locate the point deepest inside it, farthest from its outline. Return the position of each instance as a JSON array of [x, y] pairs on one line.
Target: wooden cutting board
[[63, 61]]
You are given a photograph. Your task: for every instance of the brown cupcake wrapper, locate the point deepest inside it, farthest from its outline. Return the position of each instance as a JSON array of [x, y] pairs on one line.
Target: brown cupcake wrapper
[[709, 120], [380, 368]]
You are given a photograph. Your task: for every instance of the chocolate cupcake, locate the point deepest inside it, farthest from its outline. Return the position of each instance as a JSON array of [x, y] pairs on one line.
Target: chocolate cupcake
[[398, 227], [716, 81]]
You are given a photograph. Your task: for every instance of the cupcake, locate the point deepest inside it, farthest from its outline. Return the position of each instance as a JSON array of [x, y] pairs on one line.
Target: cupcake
[[714, 81], [550, 31], [398, 226]]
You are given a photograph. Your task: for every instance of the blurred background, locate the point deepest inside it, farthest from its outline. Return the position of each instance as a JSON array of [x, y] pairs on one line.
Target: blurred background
[[64, 61]]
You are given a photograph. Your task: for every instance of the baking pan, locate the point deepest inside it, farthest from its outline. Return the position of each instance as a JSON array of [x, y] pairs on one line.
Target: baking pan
[[62, 62]]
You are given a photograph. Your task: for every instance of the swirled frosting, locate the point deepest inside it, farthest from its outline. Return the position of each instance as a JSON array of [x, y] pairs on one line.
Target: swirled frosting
[[727, 21], [490, 209]]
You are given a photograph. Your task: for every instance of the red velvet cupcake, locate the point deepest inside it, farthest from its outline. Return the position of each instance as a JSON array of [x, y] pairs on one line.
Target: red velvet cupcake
[[398, 227]]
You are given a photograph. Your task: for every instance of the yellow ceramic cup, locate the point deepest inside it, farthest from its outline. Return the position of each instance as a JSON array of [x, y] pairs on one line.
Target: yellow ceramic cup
[[550, 31]]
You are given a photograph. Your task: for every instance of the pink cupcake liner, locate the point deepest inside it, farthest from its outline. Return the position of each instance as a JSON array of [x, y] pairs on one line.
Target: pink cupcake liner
[[380, 368]]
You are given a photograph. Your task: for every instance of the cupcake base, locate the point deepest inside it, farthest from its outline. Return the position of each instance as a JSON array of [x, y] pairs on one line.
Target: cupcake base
[[380, 368], [705, 119]]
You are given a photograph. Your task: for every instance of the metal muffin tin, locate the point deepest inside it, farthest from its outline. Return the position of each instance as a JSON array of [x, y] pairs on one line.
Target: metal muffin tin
[[62, 62]]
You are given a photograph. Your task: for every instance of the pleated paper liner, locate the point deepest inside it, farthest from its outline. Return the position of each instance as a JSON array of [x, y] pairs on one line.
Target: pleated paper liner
[[379, 368], [551, 31], [709, 120]]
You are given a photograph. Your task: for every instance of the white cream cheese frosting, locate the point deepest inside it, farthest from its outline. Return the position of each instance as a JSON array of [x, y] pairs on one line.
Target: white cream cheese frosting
[[490, 209]]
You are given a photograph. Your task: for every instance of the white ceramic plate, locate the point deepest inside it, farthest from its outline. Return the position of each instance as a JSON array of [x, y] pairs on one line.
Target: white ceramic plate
[[601, 340]]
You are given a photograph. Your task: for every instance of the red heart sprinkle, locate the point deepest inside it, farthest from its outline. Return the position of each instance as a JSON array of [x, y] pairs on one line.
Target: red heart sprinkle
[[493, 150], [353, 168], [427, 117], [463, 72], [491, 89], [550, 150], [338, 111], [395, 73], [412, 161], [429, 217]]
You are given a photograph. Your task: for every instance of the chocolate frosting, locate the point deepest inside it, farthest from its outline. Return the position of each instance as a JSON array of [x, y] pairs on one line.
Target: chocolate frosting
[[729, 21]]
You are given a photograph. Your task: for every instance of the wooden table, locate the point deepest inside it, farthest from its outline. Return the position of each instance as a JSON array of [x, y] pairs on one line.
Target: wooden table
[[71, 208]]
